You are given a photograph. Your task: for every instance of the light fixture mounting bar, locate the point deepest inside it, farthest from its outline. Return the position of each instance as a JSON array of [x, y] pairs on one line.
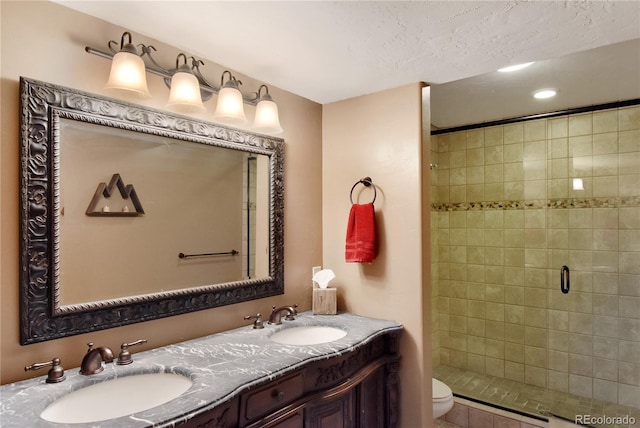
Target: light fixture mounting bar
[[206, 88]]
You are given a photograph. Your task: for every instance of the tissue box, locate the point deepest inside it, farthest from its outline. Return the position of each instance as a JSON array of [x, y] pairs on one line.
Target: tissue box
[[324, 301]]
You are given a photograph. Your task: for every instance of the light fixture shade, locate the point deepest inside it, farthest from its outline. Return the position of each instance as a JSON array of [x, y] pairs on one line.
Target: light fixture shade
[[185, 93], [267, 120], [230, 107], [128, 74]]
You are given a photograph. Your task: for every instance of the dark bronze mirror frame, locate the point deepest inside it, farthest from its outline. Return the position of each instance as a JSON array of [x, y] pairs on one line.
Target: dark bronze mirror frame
[[42, 318]]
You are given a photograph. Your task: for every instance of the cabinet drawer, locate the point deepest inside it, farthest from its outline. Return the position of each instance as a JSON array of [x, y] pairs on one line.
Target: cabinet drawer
[[272, 396]]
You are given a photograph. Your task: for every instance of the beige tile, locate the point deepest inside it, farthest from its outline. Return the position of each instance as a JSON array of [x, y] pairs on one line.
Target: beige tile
[[605, 165], [475, 156], [457, 141], [581, 344], [629, 163], [535, 130], [494, 348], [494, 366], [558, 148], [581, 365], [494, 274], [514, 352], [605, 390], [514, 371], [559, 340], [514, 314], [581, 385], [580, 124], [513, 153], [475, 138], [629, 141], [605, 121], [605, 143], [534, 151], [629, 373], [514, 238], [605, 369], [493, 155], [606, 347], [629, 118], [476, 363], [559, 361], [493, 136], [514, 190], [535, 376], [558, 128], [535, 336], [580, 146], [514, 133], [558, 381], [629, 306], [629, 185]]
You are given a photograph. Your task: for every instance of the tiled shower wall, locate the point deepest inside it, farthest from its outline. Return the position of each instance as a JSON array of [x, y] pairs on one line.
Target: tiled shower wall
[[511, 205]]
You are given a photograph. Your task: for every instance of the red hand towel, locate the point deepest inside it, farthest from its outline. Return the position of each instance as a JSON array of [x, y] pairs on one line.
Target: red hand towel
[[361, 234]]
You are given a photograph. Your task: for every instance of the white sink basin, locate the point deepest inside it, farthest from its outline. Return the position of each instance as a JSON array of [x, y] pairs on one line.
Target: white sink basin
[[116, 397], [307, 335]]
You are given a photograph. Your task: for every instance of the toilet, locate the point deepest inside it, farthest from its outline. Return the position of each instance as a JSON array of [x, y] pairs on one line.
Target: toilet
[[442, 398]]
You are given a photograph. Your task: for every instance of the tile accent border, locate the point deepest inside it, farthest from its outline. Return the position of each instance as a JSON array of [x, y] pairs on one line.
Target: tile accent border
[[618, 202]]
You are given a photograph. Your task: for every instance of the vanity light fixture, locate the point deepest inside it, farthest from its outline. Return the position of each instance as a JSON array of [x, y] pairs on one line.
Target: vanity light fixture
[[230, 109], [544, 93], [127, 69], [267, 119], [185, 81], [185, 89], [514, 67]]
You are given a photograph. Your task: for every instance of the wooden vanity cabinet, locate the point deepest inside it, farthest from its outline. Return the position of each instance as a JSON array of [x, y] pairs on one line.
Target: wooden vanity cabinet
[[358, 389]]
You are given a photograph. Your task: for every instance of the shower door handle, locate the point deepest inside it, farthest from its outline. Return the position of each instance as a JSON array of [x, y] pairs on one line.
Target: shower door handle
[[565, 279]]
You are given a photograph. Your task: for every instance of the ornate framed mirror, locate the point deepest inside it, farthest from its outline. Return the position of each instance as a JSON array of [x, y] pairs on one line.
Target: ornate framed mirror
[[130, 214]]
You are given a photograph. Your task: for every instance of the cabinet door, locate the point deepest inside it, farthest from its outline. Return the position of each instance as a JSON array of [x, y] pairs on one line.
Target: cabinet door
[[371, 401], [335, 413]]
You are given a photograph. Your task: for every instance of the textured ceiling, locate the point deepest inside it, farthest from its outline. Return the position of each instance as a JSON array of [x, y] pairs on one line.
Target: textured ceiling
[[329, 51]]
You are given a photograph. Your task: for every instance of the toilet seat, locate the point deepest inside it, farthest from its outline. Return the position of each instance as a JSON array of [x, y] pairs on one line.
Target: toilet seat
[[441, 392]]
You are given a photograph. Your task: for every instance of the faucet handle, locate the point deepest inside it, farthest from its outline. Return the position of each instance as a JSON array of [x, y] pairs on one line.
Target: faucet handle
[[55, 375], [257, 323], [124, 357], [292, 315]]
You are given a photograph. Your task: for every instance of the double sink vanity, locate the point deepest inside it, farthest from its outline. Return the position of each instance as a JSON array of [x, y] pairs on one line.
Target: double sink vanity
[[314, 371]]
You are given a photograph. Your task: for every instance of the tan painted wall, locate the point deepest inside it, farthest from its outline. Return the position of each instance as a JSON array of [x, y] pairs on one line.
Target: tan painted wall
[[45, 41], [379, 135]]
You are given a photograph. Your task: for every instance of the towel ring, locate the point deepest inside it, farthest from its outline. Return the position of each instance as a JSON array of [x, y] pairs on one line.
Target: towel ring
[[366, 182]]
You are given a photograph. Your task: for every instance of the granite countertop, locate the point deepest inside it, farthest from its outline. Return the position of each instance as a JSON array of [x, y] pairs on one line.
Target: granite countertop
[[220, 365]]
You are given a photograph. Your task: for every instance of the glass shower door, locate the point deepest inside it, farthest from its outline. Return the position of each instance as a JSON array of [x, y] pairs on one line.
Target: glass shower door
[[593, 296]]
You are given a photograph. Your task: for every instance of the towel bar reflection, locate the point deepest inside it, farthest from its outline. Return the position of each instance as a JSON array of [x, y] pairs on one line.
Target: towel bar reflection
[[229, 253], [366, 181]]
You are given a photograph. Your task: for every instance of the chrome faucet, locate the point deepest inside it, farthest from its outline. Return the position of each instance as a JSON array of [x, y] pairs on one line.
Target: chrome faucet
[[276, 314], [92, 361]]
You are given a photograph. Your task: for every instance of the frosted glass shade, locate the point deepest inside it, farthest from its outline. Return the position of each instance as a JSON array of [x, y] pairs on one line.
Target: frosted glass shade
[[267, 120], [128, 74], [230, 107], [185, 93]]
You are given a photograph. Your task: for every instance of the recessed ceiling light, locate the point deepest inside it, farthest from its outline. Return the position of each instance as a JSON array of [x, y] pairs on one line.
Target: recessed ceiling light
[[544, 93], [514, 67]]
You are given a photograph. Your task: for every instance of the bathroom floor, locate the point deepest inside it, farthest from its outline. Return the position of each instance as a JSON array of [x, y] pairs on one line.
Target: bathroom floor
[[528, 399]]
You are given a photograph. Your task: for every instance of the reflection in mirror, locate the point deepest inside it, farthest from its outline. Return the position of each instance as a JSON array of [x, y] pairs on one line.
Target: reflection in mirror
[[132, 214], [197, 200]]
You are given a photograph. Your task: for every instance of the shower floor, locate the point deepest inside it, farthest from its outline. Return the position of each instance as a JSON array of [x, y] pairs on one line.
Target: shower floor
[[529, 400]]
